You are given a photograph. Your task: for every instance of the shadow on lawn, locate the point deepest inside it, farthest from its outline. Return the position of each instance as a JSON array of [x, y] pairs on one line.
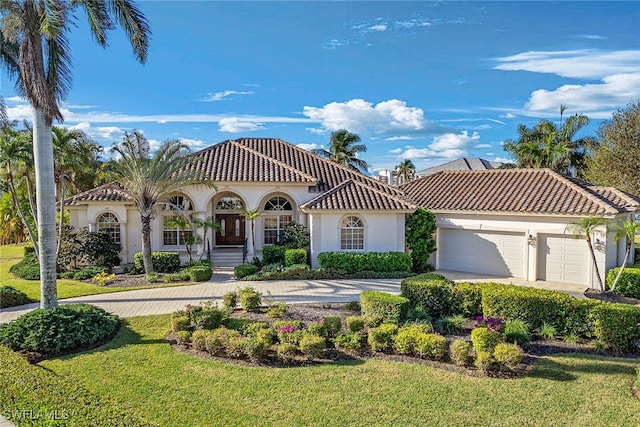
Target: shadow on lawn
[[567, 370]]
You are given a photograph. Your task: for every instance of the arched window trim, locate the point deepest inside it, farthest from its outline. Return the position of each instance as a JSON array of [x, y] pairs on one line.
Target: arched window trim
[[277, 215], [352, 233], [110, 226], [229, 202]]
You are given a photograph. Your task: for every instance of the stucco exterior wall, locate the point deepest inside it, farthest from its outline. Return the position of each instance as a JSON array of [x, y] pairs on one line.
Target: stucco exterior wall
[[381, 232], [607, 253]]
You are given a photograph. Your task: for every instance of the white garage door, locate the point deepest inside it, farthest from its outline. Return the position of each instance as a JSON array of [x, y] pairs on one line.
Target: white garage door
[[483, 252], [562, 259]]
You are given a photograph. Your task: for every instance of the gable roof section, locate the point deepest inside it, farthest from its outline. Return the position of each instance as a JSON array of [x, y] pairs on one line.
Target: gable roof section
[[351, 195], [463, 163], [516, 191], [329, 174], [230, 161], [110, 192]]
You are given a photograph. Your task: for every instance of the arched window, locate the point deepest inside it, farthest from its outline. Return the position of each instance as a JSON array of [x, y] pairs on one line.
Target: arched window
[[229, 203], [352, 234], [176, 228], [278, 213], [108, 223]]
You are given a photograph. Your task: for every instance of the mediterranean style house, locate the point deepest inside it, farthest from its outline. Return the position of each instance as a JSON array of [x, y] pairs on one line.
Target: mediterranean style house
[[511, 222], [342, 209]]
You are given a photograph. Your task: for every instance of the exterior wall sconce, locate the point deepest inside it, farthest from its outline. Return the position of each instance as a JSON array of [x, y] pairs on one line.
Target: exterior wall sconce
[[598, 245], [531, 240]]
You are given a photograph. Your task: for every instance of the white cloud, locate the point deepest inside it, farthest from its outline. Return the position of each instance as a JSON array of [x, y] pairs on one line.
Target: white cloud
[[411, 23], [395, 151], [334, 44], [586, 63], [590, 37], [235, 124], [451, 141], [614, 91], [508, 116], [503, 160], [445, 146], [103, 132], [482, 146], [308, 147], [194, 144], [224, 95], [316, 131], [490, 154], [360, 116], [378, 27]]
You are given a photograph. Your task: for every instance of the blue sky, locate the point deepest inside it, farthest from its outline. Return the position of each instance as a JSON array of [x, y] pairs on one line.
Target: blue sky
[[427, 81]]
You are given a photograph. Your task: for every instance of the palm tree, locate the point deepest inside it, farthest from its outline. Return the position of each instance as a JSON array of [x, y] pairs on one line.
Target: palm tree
[[34, 48], [406, 171], [547, 145], [251, 215], [186, 227], [628, 229], [15, 154], [343, 149], [586, 227], [208, 223], [151, 180]]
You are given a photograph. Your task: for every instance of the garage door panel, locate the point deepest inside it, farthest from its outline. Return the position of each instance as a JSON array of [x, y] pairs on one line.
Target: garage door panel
[[562, 258], [493, 253]]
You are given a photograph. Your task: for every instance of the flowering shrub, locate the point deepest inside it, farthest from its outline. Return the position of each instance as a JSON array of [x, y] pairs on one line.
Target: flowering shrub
[[289, 332], [491, 323]]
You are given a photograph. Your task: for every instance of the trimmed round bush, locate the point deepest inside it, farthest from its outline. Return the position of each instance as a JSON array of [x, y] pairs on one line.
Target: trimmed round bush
[[180, 322], [230, 300], [355, 323], [484, 339], [210, 318], [199, 339], [350, 342], [183, 337], [431, 291], [333, 324], [11, 297], [407, 336], [508, 355], [460, 352], [483, 361], [200, 273], [286, 352], [295, 256], [392, 308], [312, 346], [629, 283], [162, 262], [249, 298], [58, 330], [381, 338], [318, 329], [431, 346]]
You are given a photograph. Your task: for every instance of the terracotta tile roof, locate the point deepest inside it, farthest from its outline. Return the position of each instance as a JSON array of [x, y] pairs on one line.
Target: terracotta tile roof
[[352, 195], [231, 161], [463, 163], [328, 174], [111, 192], [516, 190]]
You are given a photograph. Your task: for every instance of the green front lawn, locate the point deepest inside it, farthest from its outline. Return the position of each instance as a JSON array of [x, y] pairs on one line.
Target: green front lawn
[[67, 288], [138, 369]]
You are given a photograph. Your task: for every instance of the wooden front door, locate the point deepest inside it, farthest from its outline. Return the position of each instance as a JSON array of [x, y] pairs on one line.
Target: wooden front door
[[231, 230]]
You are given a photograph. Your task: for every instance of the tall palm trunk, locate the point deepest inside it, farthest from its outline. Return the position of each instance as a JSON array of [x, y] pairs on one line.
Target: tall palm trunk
[[624, 264], [147, 259], [46, 204], [595, 262]]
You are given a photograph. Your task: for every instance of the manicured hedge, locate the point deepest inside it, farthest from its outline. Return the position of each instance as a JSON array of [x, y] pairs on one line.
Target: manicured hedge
[[31, 389], [295, 256], [163, 262], [28, 268], [273, 254], [617, 326], [431, 291], [243, 270], [392, 308], [199, 273], [353, 262], [65, 328], [629, 283], [11, 297]]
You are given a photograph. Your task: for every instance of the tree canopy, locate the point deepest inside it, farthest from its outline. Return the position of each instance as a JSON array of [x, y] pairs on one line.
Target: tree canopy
[[548, 145], [344, 150], [616, 161]]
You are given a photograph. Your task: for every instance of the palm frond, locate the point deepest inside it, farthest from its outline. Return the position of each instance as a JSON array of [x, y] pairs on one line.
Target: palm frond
[[99, 20], [134, 24]]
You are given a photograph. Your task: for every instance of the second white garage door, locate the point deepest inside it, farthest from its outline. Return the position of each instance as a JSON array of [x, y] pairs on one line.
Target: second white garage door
[[483, 252], [563, 258]]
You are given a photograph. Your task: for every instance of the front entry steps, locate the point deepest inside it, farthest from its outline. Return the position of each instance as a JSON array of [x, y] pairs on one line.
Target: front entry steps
[[226, 257]]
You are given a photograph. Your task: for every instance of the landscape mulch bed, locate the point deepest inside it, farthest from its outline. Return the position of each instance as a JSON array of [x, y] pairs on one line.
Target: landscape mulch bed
[[315, 312]]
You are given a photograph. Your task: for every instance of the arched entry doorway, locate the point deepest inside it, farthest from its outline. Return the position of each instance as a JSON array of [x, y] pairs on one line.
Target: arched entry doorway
[[227, 212]]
